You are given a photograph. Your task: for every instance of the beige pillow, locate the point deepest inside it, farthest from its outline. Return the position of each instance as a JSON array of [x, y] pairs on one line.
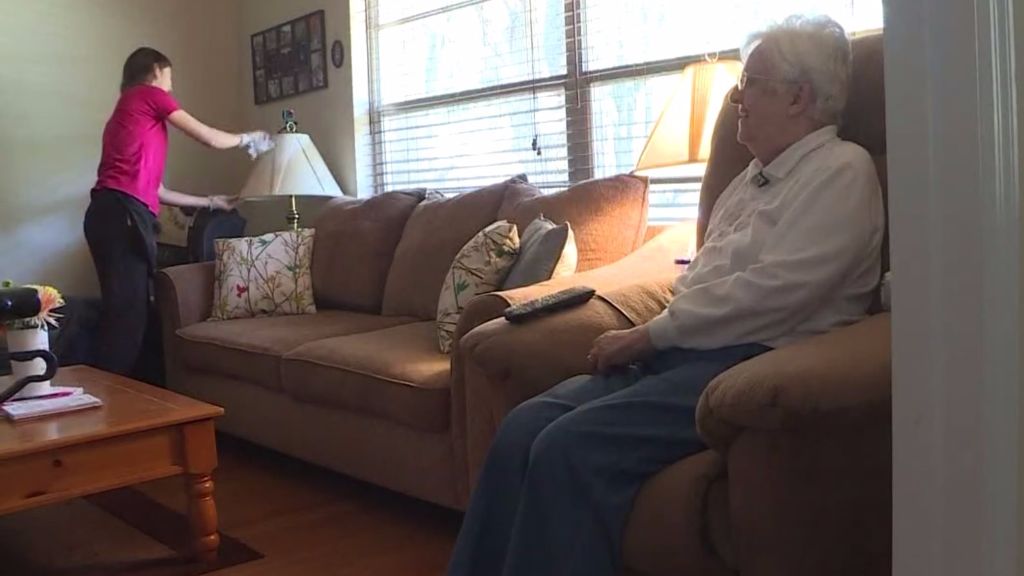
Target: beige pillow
[[546, 250], [266, 275], [478, 268], [174, 225]]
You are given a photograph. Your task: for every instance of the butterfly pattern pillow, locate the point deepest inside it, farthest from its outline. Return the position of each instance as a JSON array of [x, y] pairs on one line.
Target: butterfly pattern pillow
[[268, 275]]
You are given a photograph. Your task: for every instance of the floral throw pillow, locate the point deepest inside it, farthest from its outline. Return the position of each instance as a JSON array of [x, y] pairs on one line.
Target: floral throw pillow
[[479, 267], [266, 275]]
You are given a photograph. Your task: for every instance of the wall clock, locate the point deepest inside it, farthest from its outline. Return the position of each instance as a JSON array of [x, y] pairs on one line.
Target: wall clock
[[337, 54]]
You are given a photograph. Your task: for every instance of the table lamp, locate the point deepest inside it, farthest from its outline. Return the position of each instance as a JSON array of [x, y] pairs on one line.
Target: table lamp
[[682, 134], [293, 168]]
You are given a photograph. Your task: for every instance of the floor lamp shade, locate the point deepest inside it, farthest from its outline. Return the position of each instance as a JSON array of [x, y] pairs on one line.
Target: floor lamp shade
[[682, 134]]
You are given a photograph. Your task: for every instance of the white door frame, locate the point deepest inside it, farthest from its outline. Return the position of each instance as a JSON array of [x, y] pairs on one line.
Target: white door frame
[[955, 214]]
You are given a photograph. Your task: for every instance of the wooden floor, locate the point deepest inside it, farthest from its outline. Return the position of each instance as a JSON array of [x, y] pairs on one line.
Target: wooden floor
[[308, 521]]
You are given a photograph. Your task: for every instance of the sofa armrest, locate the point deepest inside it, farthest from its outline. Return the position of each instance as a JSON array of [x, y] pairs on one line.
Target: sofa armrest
[[184, 297], [631, 290], [503, 364], [479, 357], [840, 373], [185, 294], [652, 265]]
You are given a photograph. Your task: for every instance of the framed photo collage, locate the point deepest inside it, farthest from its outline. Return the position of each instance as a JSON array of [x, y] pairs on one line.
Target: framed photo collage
[[289, 59]]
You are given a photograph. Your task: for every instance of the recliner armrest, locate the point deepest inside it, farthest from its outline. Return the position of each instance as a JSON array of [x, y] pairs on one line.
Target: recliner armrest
[[836, 374]]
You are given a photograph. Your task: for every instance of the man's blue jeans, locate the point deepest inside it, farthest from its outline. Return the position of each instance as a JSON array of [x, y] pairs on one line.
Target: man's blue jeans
[[560, 478]]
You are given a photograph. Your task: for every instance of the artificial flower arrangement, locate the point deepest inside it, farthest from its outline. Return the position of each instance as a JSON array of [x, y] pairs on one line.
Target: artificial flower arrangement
[[50, 300]]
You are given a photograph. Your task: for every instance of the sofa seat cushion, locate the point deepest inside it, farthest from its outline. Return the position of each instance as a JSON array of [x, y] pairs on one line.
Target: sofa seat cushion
[[669, 530], [251, 349], [397, 373]]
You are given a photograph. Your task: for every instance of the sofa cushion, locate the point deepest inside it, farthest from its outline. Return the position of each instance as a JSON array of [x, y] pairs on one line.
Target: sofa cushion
[[436, 231], [251, 349], [268, 275], [395, 373], [608, 216], [355, 244]]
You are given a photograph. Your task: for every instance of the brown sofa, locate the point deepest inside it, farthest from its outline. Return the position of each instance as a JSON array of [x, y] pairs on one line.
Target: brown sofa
[[361, 387], [796, 480]]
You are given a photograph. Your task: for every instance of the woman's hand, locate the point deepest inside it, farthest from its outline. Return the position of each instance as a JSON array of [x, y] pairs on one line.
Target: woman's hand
[[182, 200], [620, 347], [256, 143], [225, 203]]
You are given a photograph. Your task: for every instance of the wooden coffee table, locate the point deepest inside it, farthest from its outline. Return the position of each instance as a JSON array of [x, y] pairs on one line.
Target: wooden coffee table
[[140, 433]]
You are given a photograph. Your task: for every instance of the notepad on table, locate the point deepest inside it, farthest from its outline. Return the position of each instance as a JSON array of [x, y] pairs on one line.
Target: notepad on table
[[23, 409]]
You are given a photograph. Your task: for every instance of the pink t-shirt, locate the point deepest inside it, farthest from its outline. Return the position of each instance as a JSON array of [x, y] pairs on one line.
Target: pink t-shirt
[[135, 144]]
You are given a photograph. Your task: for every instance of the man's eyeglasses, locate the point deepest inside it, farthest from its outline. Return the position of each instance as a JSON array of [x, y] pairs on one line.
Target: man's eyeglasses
[[745, 78]]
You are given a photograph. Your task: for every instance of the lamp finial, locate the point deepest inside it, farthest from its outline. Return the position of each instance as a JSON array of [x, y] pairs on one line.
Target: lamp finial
[[291, 126]]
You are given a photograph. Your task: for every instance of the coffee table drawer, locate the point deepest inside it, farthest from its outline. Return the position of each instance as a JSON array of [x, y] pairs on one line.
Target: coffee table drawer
[[78, 470]]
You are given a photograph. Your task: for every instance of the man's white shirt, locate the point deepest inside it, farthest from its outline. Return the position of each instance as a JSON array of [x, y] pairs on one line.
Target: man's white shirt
[[782, 261]]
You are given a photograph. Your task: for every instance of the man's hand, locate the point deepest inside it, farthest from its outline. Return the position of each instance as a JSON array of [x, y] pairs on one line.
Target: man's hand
[[620, 347]]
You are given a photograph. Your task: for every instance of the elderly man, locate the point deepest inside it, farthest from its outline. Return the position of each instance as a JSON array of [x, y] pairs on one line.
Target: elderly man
[[792, 250]]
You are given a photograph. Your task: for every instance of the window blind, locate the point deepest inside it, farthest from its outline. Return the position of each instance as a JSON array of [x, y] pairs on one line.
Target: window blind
[[464, 93]]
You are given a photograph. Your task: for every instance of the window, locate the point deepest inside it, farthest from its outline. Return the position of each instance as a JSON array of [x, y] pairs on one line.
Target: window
[[463, 93]]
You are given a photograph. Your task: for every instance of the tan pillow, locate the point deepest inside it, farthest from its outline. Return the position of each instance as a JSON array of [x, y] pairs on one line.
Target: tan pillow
[[546, 250], [174, 225], [266, 275], [608, 216], [479, 267], [435, 233]]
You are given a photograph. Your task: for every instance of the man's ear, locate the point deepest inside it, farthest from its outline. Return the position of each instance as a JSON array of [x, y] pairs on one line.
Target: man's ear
[[802, 99]]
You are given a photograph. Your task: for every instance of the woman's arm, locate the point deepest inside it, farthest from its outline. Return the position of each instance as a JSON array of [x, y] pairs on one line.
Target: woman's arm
[[182, 200], [202, 133]]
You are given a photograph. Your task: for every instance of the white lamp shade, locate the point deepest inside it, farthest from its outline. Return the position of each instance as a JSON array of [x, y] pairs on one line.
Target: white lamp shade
[[293, 168], [682, 134]]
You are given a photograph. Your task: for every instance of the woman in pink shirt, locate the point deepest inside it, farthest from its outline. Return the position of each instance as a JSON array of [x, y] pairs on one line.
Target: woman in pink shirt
[[120, 224]]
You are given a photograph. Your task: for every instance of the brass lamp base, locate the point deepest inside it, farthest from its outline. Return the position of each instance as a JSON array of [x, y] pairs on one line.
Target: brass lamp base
[[293, 216]]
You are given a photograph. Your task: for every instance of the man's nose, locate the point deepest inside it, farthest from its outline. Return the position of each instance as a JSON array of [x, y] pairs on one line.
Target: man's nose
[[736, 96]]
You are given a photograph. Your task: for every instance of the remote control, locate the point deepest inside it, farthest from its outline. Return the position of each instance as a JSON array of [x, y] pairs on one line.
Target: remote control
[[549, 303]]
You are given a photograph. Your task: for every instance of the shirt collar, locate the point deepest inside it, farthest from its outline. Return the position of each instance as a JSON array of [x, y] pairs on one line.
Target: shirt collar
[[783, 164]]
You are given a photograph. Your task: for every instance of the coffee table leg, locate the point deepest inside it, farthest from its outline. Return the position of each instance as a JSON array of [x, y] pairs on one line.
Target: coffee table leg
[[200, 446], [202, 515]]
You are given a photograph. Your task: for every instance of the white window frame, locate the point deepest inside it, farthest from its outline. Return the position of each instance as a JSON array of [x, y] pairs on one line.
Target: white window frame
[[955, 213]]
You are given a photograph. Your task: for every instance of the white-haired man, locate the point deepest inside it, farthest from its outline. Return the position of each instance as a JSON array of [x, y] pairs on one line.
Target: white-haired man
[[792, 250]]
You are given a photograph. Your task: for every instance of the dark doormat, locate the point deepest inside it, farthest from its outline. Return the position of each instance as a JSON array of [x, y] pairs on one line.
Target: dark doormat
[[118, 533]]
